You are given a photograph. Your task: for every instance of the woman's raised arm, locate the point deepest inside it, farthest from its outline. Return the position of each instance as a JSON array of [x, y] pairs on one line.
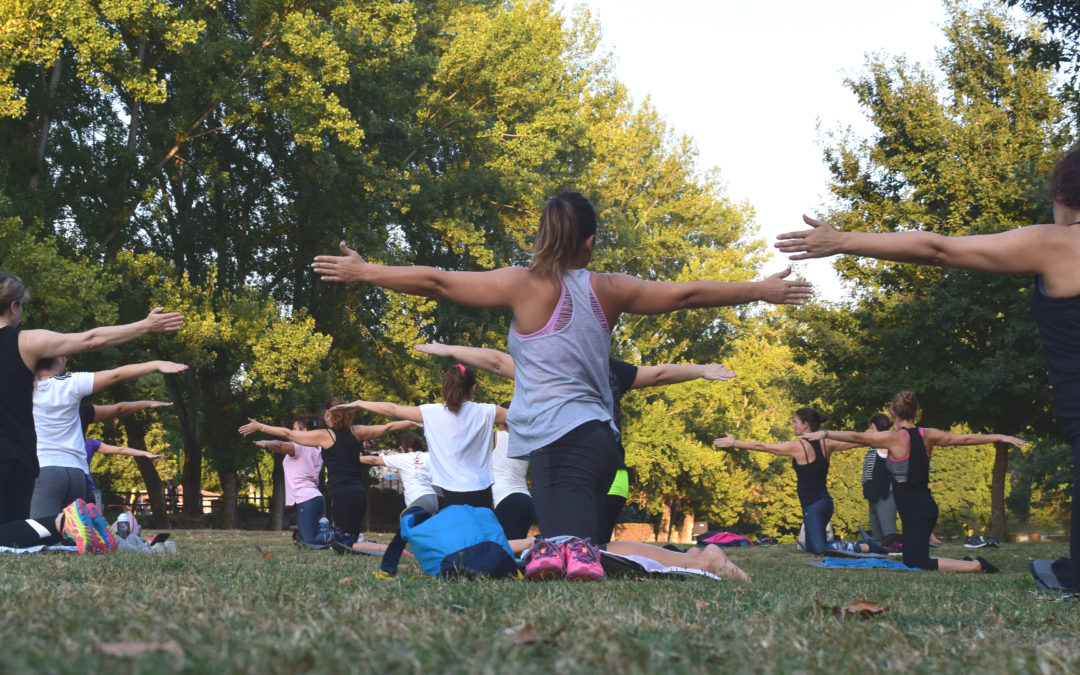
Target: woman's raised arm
[[490, 360], [945, 439], [402, 412], [35, 345], [785, 449], [319, 438]]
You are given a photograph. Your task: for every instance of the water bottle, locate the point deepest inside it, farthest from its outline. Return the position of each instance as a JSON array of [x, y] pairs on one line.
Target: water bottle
[[123, 527], [324, 524]]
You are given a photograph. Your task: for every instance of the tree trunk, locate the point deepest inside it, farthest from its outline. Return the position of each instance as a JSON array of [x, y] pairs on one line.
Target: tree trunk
[[997, 490], [277, 499], [230, 514], [686, 533], [192, 473], [136, 438], [663, 532], [44, 124]]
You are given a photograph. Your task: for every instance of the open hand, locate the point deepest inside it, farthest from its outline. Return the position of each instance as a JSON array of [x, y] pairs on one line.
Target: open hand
[[265, 445], [157, 322], [150, 405], [251, 427], [728, 441], [343, 269], [346, 406], [156, 457], [717, 371], [170, 368], [1013, 440], [778, 291], [820, 242], [433, 348], [813, 436]]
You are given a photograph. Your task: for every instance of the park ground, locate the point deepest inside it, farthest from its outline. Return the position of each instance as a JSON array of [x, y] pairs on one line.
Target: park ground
[[243, 602]]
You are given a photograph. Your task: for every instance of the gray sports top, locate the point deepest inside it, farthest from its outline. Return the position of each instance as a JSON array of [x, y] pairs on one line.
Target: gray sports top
[[562, 371]]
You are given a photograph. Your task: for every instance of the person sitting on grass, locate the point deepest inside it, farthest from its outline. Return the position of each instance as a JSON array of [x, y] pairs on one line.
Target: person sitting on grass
[[910, 448], [810, 459], [341, 452]]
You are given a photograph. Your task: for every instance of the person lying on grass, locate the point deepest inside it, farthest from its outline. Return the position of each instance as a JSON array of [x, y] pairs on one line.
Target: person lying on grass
[[910, 448]]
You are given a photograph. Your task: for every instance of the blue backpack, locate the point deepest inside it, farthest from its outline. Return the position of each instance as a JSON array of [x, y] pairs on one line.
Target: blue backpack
[[457, 541]]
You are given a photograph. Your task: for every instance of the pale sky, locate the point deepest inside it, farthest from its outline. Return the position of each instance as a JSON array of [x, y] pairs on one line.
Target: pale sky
[[751, 80]]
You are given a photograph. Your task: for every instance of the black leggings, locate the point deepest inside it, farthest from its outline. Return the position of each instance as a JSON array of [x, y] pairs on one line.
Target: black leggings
[[16, 490], [1074, 529], [26, 532], [350, 505], [480, 499], [570, 479], [613, 506], [515, 513], [918, 516]]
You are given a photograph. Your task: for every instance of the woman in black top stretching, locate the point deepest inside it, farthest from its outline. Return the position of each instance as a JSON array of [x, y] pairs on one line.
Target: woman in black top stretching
[[810, 459], [19, 353], [1050, 252], [340, 443], [910, 448]]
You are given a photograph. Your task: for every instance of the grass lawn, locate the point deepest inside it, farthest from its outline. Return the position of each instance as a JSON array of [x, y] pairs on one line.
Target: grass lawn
[[232, 607]]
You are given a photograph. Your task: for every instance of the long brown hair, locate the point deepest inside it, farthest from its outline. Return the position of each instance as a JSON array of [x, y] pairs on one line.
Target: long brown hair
[[12, 290], [457, 386], [339, 419], [567, 221], [412, 443]]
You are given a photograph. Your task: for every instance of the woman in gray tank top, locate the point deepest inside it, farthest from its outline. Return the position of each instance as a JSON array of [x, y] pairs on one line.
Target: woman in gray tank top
[[560, 340]]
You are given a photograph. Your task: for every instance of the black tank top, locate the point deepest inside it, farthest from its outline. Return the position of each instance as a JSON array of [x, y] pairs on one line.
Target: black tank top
[[811, 486], [1059, 327], [918, 470], [17, 437], [342, 460]]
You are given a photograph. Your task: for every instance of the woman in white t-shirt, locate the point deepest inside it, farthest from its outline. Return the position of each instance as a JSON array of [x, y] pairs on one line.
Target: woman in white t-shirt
[[510, 493], [413, 466], [459, 436], [61, 451]]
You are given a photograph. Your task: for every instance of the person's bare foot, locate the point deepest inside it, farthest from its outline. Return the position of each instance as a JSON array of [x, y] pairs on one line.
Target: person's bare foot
[[722, 566]]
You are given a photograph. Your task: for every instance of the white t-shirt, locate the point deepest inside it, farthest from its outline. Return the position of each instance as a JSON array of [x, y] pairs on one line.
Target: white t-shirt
[[415, 474], [56, 419], [459, 445], [509, 472]]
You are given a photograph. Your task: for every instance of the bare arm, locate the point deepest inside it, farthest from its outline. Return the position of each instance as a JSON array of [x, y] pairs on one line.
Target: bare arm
[[944, 439], [500, 414], [785, 449], [370, 433], [671, 373], [489, 290], [1027, 250], [130, 452], [405, 412], [621, 293], [116, 410], [106, 378], [372, 460], [490, 360], [319, 438], [35, 345], [891, 440], [280, 447]]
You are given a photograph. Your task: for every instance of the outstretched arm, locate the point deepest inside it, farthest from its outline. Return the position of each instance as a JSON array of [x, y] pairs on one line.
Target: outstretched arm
[[280, 447], [671, 373], [944, 439], [369, 433], [107, 378], [637, 296], [116, 410], [858, 439], [35, 345], [1027, 250], [130, 452], [404, 412], [786, 449], [491, 360], [489, 290], [372, 460], [319, 438]]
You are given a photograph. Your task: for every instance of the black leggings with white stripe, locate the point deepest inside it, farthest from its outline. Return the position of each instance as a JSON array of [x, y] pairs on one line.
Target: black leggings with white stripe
[[31, 532]]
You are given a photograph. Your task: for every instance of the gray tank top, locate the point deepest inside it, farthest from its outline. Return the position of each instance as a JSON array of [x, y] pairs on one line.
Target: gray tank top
[[562, 375]]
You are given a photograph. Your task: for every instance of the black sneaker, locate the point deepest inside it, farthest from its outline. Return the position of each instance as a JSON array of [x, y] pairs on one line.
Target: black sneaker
[[864, 535], [987, 568], [975, 541], [992, 541]]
